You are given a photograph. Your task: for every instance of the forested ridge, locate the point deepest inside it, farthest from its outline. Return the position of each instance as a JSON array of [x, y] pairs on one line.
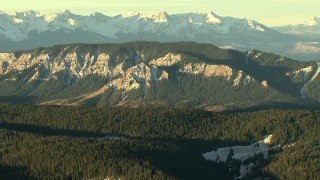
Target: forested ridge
[[53, 142], [177, 74]]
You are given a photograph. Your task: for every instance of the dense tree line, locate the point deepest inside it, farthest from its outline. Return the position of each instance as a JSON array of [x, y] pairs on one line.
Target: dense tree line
[[288, 125], [52, 142]]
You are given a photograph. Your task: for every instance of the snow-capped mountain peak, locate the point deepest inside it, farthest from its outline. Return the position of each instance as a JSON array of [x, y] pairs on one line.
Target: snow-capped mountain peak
[[160, 17], [51, 17], [33, 13], [62, 18], [66, 12], [130, 14], [312, 21], [15, 13], [213, 18], [28, 13], [310, 26], [132, 22], [31, 29]]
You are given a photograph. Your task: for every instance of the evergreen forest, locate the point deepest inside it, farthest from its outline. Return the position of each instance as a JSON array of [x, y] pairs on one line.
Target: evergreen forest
[[55, 142]]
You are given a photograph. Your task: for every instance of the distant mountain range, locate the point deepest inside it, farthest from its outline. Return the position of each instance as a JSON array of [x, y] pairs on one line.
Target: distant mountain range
[[30, 29], [180, 74], [308, 27]]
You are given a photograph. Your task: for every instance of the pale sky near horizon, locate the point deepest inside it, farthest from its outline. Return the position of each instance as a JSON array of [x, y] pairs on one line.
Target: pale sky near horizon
[[268, 12]]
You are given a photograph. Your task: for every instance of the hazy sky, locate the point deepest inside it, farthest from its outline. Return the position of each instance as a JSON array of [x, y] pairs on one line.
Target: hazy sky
[[268, 12]]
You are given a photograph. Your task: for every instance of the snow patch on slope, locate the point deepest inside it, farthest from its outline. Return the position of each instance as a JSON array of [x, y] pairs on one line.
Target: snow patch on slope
[[241, 153], [306, 82], [50, 17], [305, 71], [257, 55], [72, 22], [17, 20], [247, 57], [254, 25], [226, 47]]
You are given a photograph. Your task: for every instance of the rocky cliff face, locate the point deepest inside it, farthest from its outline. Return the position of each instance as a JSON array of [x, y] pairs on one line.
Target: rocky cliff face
[[136, 71]]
